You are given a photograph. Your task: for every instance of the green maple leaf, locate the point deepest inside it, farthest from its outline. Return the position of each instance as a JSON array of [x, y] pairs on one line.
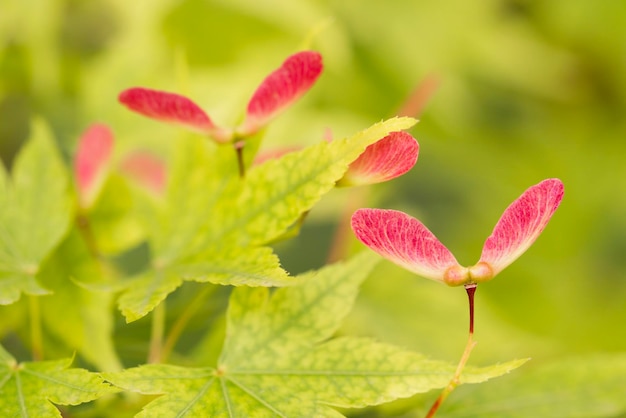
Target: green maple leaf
[[34, 214], [583, 386], [279, 360], [81, 318], [114, 227], [29, 389], [213, 226]]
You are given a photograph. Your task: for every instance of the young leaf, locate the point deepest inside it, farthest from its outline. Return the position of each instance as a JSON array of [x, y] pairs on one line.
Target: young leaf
[[34, 214], [277, 359], [112, 219], [30, 389], [280, 89], [145, 291], [210, 217], [82, 319], [198, 190], [276, 193], [251, 267]]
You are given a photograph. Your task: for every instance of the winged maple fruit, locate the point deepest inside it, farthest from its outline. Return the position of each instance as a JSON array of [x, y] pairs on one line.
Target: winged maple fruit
[[405, 241], [277, 91]]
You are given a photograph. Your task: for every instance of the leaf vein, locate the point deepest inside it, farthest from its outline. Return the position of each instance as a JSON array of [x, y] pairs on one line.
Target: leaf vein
[[251, 393], [195, 399], [227, 399]]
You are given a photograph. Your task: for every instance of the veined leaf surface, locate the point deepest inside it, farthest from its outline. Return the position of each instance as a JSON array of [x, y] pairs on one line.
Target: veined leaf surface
[[29, 389], [279, 360], [213, 219]]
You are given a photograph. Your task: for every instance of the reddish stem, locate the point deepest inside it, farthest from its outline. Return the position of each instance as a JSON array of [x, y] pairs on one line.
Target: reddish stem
[[239, 150], [456, 379], [471, 289]]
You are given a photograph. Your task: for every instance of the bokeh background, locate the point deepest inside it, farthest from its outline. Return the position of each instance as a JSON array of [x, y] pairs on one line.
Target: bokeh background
[[508, 93]]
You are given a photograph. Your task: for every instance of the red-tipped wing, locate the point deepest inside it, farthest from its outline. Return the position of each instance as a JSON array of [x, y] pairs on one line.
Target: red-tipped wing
[[281, 88], [167, 107], [384, 160], [403, 240], [521, 223]]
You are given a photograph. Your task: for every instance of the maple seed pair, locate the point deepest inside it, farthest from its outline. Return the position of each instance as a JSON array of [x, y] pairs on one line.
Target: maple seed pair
[[278, 90], [405, 241]]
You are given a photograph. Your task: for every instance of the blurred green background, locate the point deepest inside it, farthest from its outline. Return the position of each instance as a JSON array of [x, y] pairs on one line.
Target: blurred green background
[[521, 90]]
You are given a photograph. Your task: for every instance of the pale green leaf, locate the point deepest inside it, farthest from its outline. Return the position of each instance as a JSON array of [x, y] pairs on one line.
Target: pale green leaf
[[275, 194], [198, 392], [30, 389], [197, 181], [473, 374], [278, 361], [146, 291], [82, 319], [303, 315], [113, 222], [211, 224], [208, 206], [589, 386], [34, 214], [250, 267]]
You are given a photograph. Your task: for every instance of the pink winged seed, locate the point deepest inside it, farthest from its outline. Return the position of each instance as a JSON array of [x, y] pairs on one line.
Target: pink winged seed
[[94, 151], [167, 107], [386, 159], [281, 88], [521, 223], [403, 240]]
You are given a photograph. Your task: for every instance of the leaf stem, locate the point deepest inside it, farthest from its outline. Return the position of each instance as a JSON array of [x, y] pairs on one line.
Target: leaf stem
[[36, 337], [456, 379], [182, 321], [156, 334]]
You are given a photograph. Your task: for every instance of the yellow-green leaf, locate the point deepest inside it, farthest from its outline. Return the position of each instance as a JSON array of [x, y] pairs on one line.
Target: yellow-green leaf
[[279, 359], [30, 389], [34, 214]]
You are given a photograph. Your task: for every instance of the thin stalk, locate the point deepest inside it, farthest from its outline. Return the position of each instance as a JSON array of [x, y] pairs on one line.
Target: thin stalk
[[182, 321], [36, 336], [239, 151], [343, 233], [87, 233], [456, 379], [156, 334]]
